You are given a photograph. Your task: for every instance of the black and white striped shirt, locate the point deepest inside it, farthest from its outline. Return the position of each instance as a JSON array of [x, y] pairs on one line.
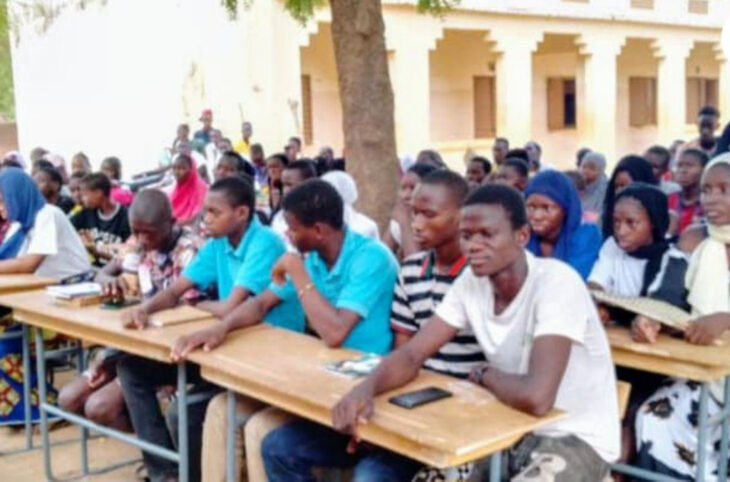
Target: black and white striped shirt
[[418, 292]]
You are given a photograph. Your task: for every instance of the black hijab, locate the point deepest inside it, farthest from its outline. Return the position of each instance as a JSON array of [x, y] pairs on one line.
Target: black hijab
[[640, 171], [654, 202]]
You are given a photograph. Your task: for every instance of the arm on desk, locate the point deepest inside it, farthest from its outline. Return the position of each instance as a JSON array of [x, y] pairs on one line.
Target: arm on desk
[[399, 368], [21, 265], [706, 329], [221, 308], [249, 313], [535, 391], [167, 298]]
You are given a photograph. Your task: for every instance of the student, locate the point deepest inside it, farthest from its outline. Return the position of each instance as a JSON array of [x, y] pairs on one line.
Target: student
[[430, 157], [666, 427], [685, 206], [152, 260], [293, 148], [593, 168], [345, 286], [293, 175], [232, 164], [112, 167], [202, 136], [535, 161], [74, 186], [478, 171], [399, 237], [629, 170], [555, 216], [580, 154], [243, 147], [80, 164], [238, 260], [499, 150], [513, 172], [354, 219], [102, 222], [708, 120], [190, 190], [259, 164], [659, 157], [49, 181], [275, 166], [538, 328]]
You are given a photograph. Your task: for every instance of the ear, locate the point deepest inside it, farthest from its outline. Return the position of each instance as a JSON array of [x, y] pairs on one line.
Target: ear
[[243, 211], [523, 235]]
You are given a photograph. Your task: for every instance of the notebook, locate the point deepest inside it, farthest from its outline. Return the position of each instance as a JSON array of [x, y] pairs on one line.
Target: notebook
[[658, 310], [72, 291], [177, 315]]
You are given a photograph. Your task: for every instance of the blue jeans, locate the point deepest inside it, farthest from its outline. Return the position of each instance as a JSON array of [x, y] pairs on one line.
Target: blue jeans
[[291, 451]]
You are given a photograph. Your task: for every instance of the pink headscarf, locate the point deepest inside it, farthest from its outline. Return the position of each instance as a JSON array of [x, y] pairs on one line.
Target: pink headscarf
[[187, 197]]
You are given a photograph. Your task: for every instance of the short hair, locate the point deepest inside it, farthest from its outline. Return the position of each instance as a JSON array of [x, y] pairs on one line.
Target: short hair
[[242, 166], [698, 154], [519, 154], [297, 140], [505, 196], [519, 165], [98, 181], [422, 170], [53, 173], [183, 157], [660, 151], [258, 148], [151, 206], [486, 165], [78, 175], [430, 156], [502, 140], [304, 166], [114, 163], [451, 181], [82, 156], [315, 201], [280, 157], [238, 191], [708, 110], [537, 146], [42, 164]]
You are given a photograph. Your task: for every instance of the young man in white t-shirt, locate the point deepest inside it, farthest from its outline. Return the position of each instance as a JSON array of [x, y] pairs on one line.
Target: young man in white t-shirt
[[542, 338]]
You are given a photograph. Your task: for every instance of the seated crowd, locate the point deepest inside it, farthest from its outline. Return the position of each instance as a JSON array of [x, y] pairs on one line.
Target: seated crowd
[[483, 276]]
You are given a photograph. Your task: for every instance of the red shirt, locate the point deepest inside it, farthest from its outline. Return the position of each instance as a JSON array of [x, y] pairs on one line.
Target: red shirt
[[688, 214]]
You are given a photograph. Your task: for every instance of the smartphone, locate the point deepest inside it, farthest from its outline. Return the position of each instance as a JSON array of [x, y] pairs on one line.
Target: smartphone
[[120, 306], [419, 397]]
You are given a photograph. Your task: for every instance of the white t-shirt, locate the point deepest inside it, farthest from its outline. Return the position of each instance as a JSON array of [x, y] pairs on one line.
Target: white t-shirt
[[278, 224], [395, 233], [54, 236], [361, 224], [617, 272], [552, 301]]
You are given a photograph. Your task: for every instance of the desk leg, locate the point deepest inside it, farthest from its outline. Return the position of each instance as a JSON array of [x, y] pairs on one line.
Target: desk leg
[[27, 409], [42, 399], [84, 430], [722, 466], [495, 467], [702, 433], [231, 437], [182, 422]]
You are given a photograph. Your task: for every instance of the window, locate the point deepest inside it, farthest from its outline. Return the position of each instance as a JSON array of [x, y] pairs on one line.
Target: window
[[700, 92], [645, 4], [642, 101], [699, 7], [561, 103], [307, 109], [484, 112]]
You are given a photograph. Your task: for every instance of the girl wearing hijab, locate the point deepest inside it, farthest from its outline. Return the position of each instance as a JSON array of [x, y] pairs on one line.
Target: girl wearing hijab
[[41, 240], [593, 167], [347, 189], [554, 212], [629, 170], [668, 419], [189, 192]]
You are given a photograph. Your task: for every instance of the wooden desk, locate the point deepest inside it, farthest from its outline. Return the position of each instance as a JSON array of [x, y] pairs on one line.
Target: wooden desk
[[13, 283], [287, 370], [671, 356]]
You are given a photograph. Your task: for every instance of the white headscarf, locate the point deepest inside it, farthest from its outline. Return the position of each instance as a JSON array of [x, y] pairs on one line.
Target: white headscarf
[[346, 187]]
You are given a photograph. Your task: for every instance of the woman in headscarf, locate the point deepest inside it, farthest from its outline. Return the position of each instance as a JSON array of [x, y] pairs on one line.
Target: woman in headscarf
[[629, 170], [189, 192], [593, 167], [667, 421], [554, 212], [347, 189]]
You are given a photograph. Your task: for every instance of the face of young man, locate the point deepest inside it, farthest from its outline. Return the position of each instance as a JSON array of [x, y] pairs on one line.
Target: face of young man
[[488, 239], [707, 125], [290, 178], [91, 198], [689, 170], [658, 165], [221, 218], [304, 238], [435, 220], [475, 173]]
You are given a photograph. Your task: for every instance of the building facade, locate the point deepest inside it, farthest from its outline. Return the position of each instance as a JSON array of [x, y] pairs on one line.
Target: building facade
[[615, 75]]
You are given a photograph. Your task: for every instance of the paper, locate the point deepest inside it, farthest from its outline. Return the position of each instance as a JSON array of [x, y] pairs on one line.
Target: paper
[[355, 367], [657, 310], [78, 290]]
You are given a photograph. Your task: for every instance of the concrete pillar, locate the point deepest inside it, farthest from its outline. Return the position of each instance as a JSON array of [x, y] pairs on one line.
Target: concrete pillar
[[514, 82], [598, 112], [672, 53], [723, 83]]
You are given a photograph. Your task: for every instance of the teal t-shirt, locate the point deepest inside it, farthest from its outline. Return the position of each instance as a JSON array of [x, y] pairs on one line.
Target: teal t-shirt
[[248, 266], [362, 280]]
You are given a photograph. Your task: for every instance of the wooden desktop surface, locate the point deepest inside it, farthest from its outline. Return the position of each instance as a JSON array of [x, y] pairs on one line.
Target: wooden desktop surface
[[287, 370], [671, 356], [13, 283]]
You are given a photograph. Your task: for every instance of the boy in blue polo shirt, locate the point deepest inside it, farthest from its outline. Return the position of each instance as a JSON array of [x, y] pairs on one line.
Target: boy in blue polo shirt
[[238, 260], [345, 286]]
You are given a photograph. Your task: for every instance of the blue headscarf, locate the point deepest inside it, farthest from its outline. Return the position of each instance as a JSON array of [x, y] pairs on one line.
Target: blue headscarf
[[22, 200], [578, 243]]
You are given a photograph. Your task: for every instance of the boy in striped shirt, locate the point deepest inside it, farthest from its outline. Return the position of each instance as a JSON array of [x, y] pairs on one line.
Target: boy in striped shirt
[[426, 276]]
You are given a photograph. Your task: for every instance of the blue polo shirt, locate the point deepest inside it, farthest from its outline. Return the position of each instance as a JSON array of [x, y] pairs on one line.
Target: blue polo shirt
[[362, 280], [247, 266]]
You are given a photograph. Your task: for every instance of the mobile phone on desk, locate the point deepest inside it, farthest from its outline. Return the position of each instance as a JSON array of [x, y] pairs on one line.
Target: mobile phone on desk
[[419, 397]]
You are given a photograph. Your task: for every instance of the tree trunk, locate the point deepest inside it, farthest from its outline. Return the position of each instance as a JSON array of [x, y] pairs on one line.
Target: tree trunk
[[358, 34]]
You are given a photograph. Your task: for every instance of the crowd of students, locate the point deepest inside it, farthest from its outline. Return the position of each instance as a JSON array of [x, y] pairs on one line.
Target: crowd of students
[[483, 276]]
